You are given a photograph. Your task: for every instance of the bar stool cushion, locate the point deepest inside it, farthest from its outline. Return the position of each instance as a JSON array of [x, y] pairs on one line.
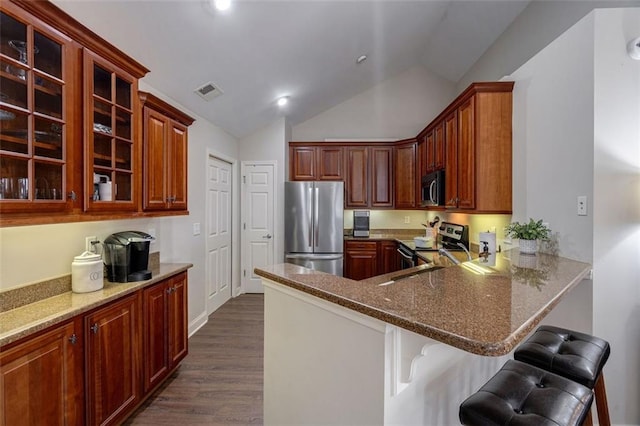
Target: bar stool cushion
[[576, 356], [520, 395]]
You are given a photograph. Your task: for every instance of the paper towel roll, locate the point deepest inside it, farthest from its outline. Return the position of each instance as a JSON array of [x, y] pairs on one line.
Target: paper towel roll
[[490, 238]]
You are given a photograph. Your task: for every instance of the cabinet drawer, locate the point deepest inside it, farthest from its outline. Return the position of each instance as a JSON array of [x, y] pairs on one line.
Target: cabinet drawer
[[361, 245]]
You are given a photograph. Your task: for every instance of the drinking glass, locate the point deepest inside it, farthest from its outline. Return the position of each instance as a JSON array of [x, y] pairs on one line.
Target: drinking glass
[[23, 188]]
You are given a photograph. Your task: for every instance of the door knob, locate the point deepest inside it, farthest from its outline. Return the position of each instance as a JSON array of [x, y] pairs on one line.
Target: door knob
[[268, 236]]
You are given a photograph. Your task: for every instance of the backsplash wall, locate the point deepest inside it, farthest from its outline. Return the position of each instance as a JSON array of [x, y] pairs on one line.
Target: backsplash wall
[[413, 219]]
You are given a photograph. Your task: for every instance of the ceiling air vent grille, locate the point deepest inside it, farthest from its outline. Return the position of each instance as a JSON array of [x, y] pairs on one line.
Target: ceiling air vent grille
[[208, 91]]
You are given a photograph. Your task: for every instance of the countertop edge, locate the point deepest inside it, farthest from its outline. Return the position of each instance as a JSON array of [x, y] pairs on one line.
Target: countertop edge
[[166, 270], [497, 348]]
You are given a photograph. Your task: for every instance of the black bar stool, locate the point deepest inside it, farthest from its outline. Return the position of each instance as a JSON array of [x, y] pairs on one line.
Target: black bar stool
[[576, 356], [521, 394]]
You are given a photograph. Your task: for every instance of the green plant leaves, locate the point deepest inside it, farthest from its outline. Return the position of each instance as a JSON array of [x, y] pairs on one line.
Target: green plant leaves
[[533, 230]]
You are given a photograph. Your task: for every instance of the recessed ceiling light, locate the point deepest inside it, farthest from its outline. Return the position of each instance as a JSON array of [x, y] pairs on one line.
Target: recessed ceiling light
[[361, 59], [222, 4], [283, 101]]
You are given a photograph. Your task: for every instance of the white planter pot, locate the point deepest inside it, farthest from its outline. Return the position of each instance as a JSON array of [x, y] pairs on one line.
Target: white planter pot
[[528, 246]]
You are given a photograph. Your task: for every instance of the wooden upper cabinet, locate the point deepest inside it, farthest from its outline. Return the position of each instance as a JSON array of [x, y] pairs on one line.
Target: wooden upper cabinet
[[421, 165], [404, 158], [465, 197], [40, 115], [69, 119], [381, 176], [357, 182], [330, 163], [439, 147], [113, 361], [478, 175], [165, 150], [318, 162], [302, 163], [111, 153], [41, 379]]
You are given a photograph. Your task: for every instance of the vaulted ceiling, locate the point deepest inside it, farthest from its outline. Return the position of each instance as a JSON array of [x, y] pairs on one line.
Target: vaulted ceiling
[[260, 50]]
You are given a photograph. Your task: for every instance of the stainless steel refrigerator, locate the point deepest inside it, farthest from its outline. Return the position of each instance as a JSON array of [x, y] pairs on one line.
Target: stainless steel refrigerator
[[313, 222]]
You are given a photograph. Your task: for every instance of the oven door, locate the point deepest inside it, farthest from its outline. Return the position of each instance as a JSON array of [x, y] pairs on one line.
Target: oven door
[[407, 257]]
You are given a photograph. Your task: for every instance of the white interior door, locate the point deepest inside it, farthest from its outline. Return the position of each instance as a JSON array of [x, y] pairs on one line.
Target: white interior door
[[218, 268], [257, 222]]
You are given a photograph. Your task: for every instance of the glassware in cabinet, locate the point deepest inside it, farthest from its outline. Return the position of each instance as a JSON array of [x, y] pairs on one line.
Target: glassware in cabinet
[[109, 123], [35, 105]]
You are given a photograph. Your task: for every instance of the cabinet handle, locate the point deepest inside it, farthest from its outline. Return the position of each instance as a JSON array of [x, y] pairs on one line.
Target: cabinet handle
[[73, 339], [168, 290], [171, 199], [72, 196], [94, 328]]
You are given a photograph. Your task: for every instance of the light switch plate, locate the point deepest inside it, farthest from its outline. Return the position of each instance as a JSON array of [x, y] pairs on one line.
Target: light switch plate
[[196, 228]]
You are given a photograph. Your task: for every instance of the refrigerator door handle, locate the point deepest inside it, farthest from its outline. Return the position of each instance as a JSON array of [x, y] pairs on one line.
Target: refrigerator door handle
[[315, 256], [315, 216], [311, 224]]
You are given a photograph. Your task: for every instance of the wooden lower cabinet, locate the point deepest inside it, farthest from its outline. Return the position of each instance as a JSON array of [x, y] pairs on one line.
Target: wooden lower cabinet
[[165, 336], [366, 259], [389, 260], [113, 361], [41, 379], [360, 259]]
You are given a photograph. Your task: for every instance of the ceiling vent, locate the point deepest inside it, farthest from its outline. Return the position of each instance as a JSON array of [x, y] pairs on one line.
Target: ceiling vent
[[209, 91]]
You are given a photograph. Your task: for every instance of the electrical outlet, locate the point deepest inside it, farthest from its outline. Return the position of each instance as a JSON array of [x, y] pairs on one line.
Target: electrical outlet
[[87, 243], [492, 229], [407, 219], [582, 205]]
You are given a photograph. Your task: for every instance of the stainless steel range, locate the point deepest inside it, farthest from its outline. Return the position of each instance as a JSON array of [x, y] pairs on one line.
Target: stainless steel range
[[451, 236]]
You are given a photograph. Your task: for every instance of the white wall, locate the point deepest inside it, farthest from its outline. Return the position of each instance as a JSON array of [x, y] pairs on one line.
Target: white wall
[[616, 208], [539, 24], [576, 131], [553, 138], [270, 144], [397, 108], [31, 254]]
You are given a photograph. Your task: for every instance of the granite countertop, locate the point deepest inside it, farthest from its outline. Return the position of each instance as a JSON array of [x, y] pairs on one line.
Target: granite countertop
[[476, 307], [28, 319]]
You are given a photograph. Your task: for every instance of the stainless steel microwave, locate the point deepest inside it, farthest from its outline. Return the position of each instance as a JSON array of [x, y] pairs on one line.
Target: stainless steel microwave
[[433, 189]]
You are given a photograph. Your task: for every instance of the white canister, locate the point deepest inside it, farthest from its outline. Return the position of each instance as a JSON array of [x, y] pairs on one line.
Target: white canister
[[87, 273], [105, 191]]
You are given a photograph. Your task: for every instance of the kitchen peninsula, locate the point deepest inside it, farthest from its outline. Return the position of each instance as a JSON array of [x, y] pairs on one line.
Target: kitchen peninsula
[[400, 348]]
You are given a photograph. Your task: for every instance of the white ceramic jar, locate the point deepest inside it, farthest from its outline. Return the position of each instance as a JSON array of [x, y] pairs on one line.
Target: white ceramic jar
[[87, 273]]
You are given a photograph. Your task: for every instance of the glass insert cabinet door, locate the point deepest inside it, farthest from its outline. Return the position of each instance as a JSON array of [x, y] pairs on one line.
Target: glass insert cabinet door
[[110, 154], [34, 115]]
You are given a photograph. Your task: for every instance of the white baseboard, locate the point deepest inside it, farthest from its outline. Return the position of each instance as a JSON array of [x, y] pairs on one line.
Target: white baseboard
[[197, 323]]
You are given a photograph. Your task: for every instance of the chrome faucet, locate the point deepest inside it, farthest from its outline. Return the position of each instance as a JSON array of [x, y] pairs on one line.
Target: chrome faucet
[[465, 250], [449, 256]]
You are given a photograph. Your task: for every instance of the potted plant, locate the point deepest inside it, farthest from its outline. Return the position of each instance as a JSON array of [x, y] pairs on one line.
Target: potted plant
[[528, 234]]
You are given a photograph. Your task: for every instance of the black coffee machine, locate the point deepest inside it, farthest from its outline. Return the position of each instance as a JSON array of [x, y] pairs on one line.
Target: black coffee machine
[[126, 256]]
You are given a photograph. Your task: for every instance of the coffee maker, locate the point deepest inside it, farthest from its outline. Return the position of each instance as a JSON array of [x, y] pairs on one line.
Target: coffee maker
[[126, 256]]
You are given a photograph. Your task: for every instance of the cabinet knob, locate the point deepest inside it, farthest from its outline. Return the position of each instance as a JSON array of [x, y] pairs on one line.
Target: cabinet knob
[[73, 339], [94, 328], [72, 196]]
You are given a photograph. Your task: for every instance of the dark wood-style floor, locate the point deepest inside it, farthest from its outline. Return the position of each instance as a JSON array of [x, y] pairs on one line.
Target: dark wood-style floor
[[220, 381]]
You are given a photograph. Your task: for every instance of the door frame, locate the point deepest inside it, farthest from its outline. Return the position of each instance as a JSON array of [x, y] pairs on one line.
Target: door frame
[[278, 247], [235, 224]]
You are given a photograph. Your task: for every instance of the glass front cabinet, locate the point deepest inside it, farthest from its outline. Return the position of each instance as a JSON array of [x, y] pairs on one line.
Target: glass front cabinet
[[111, 156], [69, 134], [36, 122]]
